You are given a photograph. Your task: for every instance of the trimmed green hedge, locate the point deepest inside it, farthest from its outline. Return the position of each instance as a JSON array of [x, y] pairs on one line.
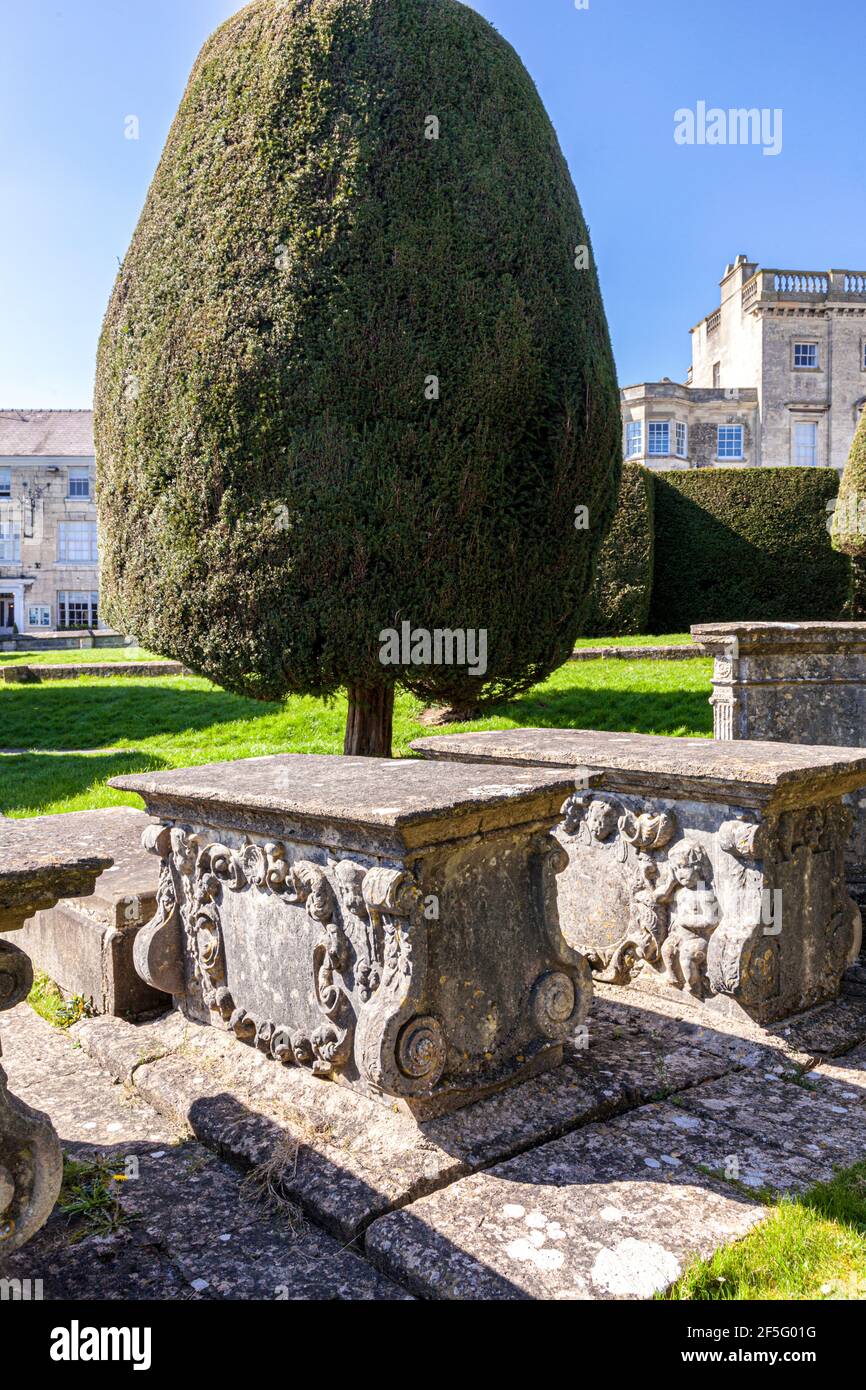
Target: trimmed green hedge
[[620, 602], [745, 543]]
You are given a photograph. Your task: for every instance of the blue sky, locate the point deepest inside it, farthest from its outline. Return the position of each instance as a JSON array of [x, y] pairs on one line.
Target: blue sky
[[664, 218]]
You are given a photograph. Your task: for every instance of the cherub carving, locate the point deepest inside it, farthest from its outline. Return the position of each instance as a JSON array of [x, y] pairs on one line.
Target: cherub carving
[[694, 915]]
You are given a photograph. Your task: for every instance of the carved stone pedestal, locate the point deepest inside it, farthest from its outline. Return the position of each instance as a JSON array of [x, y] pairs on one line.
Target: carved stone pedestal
[[794, 683], [714, 870], [36, 870], [390, 925]]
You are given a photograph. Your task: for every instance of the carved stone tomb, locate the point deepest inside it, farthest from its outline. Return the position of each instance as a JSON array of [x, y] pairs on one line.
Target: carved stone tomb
[[390, 925], [713, 870], [794, 683]]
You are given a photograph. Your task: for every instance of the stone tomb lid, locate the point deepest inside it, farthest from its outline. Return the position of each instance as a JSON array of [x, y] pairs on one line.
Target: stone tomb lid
[[773, 776], [114, 832], [400, 803], [778, 636], [42, 861]]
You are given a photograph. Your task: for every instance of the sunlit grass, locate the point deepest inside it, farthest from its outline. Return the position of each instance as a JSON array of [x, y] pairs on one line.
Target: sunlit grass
[[667, 639], [810, 1247], [76, 656], [68, 737]]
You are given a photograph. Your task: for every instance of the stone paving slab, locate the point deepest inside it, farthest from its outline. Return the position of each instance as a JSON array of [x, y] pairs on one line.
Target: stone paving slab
[[599, 1180], [826, 1031], [583, 1217], [817, 1125], [194, 1228], [349, 1159], [667, 651], [671, 1136]]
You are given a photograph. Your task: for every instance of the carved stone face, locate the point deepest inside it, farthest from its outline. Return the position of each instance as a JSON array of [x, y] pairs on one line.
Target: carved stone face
[[689, 864], [601, 819]]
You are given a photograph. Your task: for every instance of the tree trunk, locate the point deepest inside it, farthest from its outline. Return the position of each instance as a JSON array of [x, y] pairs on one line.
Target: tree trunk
[[370, 722]]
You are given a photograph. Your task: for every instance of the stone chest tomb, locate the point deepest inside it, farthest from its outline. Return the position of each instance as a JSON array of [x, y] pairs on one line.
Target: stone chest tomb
[[799, 682], [391, 925], [713, 870]]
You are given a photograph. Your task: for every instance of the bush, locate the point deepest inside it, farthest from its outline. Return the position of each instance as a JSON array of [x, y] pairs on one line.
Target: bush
[[279, 479], [745, 543], [621, 594], [849, 518]]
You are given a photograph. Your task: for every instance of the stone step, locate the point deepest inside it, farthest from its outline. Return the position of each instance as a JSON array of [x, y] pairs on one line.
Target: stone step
[[618, 1210], [347, 1159], [191, 1228]]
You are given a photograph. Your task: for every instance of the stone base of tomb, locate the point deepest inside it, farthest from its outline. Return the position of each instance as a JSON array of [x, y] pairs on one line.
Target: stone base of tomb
[[714, 871], [389, 925]]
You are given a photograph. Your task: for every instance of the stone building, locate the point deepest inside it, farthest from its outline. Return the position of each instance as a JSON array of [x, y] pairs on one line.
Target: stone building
[[778, 376], [49, 569]]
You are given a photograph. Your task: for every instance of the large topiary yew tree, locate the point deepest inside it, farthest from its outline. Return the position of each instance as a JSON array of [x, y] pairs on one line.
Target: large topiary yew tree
[[355, 371]]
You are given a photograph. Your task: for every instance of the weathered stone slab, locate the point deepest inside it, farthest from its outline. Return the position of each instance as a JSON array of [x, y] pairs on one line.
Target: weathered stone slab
[[37, 867], [345, 1158], [584, 1217], [85, 944], [41, 862], [390, 925], [798, 683], [672, 1137], [21, 674], [669, 651], [714, 870], [817, 1124]]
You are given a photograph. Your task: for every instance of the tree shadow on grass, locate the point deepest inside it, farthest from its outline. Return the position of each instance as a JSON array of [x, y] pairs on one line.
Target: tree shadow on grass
[[623, 711], [100, 714], [32, 781]]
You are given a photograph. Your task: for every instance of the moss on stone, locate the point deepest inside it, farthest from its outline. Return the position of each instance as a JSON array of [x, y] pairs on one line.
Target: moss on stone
[[275, 487]]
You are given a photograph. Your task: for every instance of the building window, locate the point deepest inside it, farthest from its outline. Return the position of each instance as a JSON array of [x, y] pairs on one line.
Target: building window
[[76, 542], [863, 355], [717, 375], [805, 443], [79, 484], [633, 439], [806, 355], [682, 440], [659, 438], [77, 610], [10, 542], [730, 442], [5, 482], [39, 615]]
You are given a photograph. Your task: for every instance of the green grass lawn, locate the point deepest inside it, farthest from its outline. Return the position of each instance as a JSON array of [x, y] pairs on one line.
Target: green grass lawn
[[667, 639], [810, 1247], [68, 737], [77, 656]]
